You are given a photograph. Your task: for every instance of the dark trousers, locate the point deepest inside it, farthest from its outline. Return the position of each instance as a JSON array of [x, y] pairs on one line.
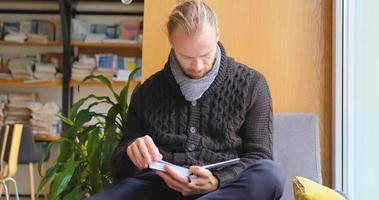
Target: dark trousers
[[261, 181]]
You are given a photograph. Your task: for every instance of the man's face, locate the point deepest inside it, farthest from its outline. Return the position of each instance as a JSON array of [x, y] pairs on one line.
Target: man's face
[[197, 52]]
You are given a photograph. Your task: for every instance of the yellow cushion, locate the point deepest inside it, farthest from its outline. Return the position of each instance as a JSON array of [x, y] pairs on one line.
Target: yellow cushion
[[305, 189]]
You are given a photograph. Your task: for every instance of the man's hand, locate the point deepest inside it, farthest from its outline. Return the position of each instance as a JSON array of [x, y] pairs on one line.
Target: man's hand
[[143, 151], [204, 182]]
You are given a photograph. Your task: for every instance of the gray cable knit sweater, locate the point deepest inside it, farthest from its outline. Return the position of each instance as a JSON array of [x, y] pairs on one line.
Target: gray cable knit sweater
[[233, 118]]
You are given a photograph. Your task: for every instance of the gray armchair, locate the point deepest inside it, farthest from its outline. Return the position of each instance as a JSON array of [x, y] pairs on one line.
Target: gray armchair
[[297, 148]]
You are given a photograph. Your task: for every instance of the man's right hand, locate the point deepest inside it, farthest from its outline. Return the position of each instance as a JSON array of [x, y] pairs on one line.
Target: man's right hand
[[143, 151]]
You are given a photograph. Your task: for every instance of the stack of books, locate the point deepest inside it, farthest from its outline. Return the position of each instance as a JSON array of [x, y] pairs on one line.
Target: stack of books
[[43, 119], [21, 68], [37, 38], [111, 66], [3, 102], [17, 111], [125, 66], [25, 109], [15, 37], [45, 71], [83, 67], [4, 71], [53, 58], [106, 65]]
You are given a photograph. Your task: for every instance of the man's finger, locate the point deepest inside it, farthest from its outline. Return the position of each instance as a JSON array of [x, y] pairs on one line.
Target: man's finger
[[143, 150], [131, 155], [171, 182], [152, 148], [199, 182], [200, 172], [138, 156], [175, 175]]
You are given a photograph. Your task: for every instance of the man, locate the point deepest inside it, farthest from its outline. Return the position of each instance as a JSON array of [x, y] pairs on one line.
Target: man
[[202, 108]]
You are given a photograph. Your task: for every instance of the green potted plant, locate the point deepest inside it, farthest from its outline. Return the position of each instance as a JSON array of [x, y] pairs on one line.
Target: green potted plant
[[82, 167]]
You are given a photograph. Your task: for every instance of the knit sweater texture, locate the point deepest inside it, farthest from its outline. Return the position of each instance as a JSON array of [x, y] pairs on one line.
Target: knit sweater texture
[[233, 118]]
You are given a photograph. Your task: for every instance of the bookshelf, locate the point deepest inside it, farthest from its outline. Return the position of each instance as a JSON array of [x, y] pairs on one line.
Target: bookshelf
[[68, 9], [97, 47]]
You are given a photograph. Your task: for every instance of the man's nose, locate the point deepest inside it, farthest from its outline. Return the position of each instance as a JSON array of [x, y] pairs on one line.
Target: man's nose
[[196, 63]]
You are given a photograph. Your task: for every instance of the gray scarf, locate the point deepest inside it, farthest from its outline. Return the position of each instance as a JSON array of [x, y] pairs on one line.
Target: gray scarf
[[193, 89]]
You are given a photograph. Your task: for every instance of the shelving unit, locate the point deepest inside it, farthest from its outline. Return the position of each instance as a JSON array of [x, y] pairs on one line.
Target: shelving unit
[[67, 10], [119, 48], [34, 46]]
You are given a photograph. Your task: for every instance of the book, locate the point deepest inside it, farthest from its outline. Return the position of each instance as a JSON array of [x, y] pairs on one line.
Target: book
[[54, 58], [129, 30], [80, 28], [37, 38], [98, 37], [9, 27], [110, 31], [46, 28], [159, 165], [26, 26], [1, 30]]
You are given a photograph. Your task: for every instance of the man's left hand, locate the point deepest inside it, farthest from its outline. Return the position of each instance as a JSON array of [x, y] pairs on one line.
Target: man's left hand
[[204, 182]]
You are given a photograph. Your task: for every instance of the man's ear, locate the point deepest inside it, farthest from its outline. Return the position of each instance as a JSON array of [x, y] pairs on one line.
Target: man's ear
[[170, 41], [217, 35]]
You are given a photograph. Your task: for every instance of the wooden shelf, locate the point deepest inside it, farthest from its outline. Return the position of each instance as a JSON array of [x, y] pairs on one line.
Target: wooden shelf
[[21, 83], [74, 83], [46, 137], [106, 45], [34, 43], [122, 49]]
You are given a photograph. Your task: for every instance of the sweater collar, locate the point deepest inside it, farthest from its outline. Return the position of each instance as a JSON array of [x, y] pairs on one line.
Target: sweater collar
[[222, 73]]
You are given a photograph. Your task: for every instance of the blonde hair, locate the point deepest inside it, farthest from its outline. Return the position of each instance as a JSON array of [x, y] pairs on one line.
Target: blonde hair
[[190, 15]]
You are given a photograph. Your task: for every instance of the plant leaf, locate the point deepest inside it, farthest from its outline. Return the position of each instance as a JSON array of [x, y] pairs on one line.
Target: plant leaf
[[44, 156], [64, 119], [62, 179], [76, 193], [93, 159], [111, 116], [125, 91], [50, 173], [103, 80], [110, 143], [75, 107]]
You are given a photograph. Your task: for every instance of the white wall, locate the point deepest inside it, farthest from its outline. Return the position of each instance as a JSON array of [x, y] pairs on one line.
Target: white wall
[[362, 65], [366, 99]]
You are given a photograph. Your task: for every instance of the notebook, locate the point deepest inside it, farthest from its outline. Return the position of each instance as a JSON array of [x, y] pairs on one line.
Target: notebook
[[159, 165]]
